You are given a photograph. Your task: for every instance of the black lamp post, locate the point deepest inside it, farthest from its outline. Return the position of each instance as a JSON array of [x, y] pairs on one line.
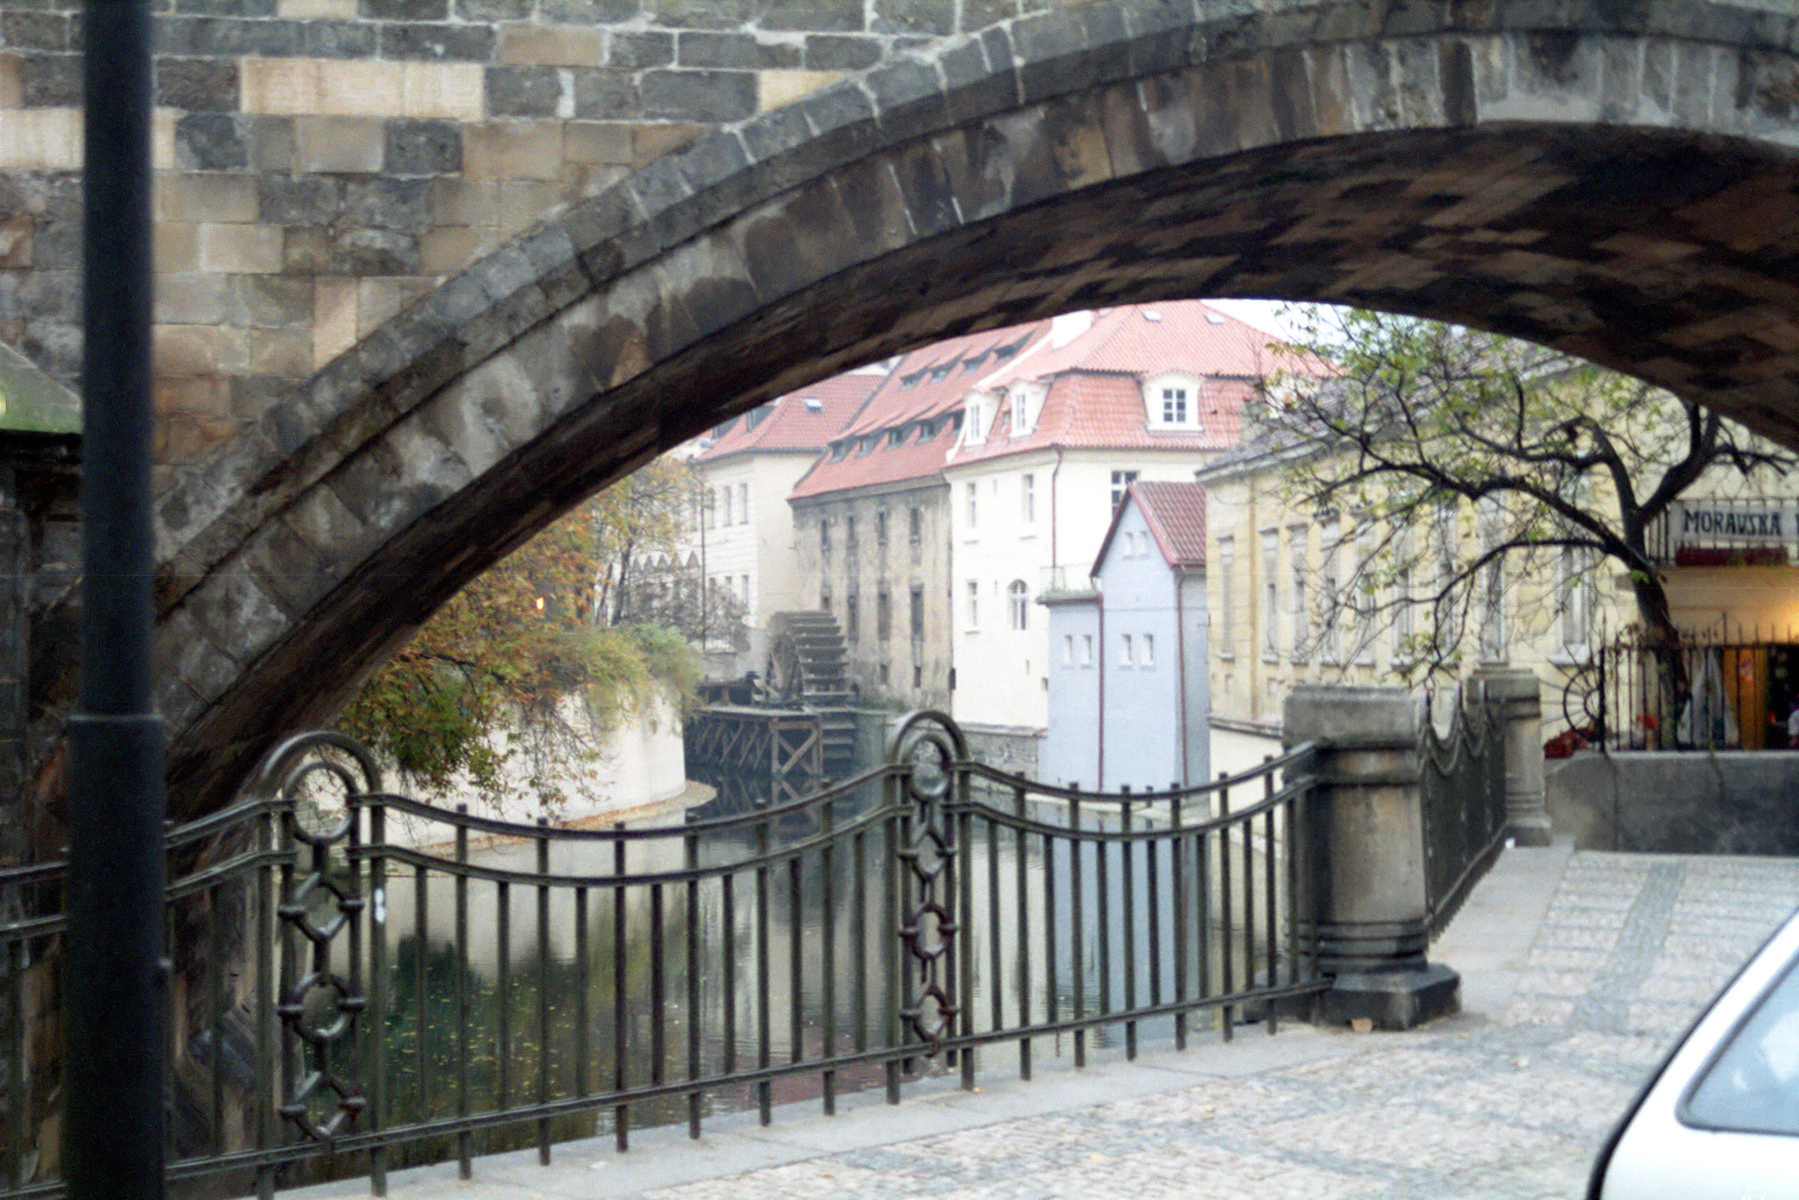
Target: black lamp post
[[116, 976]]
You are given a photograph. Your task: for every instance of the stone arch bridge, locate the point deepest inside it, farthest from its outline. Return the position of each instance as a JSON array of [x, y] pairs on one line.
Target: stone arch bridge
[[431, 271]]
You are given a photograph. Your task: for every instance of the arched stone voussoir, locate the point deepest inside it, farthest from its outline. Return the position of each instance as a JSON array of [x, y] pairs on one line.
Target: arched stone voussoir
[[1529, 168]]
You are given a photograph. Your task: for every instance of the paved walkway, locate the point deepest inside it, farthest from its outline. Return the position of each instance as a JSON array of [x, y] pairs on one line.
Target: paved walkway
[[1578, 971]]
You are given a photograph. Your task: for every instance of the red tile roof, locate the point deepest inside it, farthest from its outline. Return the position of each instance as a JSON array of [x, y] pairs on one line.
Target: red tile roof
[[804, 420], [1176, 516], [927, 385], [1094, 398], [1176, 513]]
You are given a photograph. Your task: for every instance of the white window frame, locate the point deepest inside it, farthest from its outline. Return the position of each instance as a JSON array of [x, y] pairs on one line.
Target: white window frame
[[1018, 596], [1147, 658], [1330, 639], [1174, 406], [973, 493], [1027, 485], [1271, 608], [1298, 537], [1124, 651], [974, 604]]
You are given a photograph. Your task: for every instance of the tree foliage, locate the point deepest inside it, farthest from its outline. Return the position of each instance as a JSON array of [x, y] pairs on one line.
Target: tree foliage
[[1431, 433], [528, 667]]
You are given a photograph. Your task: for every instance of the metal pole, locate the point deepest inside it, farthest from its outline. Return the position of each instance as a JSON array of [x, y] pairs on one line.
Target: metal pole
[[116, 974]]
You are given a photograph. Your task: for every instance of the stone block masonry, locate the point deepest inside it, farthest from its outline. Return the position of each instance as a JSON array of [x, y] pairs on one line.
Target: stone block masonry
[[357, 152]]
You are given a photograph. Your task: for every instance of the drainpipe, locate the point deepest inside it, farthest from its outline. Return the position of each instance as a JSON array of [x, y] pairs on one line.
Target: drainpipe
[[1180, 672], [116, 975], [1099, 604], [1056, 470]]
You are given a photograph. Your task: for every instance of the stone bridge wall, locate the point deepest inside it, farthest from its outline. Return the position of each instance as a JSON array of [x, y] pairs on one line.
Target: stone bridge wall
[[324, 163]]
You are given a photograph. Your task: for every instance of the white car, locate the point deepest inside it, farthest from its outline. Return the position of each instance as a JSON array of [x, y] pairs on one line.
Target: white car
[[1721, 1116]]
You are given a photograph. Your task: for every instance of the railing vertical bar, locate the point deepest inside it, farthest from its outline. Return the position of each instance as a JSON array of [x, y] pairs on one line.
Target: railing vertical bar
[[1077, 931], [215, 1025], [1102, 903], [1152, 885], [265, 1002], [503, 988], [658, 987], [1269, 876], [764, 1045], [543, 990], [890, 906], [859, 939], [996, 959], [356, 914], [1177, 869], [1248, 827], [1228, 977], [827, 972], [285, 1048], [421, 990], [583, 982], [621, 1113], [727, 954], [1290, 813], [377, 1041], [464, 1142], [796, 963], [1052, 1005], [961, 946], [1127, 868], [1022, 881], [690, 859]]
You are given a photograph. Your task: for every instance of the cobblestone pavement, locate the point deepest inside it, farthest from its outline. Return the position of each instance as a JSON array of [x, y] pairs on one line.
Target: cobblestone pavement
[[1508, 1103], [1631, 948]]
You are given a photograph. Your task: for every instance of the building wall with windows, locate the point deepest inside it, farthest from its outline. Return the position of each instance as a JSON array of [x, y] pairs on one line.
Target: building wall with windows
[[1283, 612], [1031, 523], [742, 540], [878, 560]]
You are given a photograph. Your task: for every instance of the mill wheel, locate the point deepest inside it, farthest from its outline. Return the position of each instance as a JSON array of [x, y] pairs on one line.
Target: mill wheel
[[808, 664]]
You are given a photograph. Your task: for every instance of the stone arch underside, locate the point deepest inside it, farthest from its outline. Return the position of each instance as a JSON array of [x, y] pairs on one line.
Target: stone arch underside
[[1626, 194]]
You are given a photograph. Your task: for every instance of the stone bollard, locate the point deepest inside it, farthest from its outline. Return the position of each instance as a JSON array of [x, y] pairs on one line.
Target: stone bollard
[[1517, 690], [1363, 876]]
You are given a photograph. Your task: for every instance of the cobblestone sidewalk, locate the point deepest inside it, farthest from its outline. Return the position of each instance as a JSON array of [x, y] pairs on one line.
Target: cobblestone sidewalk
[[1510, 1103], [1631, 948]]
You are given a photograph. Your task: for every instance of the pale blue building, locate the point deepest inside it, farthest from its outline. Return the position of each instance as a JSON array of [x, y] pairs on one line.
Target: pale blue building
[[1128, 685]]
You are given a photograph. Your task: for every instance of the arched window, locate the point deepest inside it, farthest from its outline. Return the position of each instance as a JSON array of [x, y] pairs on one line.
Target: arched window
[[1021, 603]]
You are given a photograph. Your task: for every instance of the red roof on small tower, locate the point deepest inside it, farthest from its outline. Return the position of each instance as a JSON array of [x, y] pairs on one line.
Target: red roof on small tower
[[1176, 515]]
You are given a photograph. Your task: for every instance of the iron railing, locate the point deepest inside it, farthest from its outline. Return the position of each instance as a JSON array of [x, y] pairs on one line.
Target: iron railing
[[364, 981], [1461, 784], [1719, 689]]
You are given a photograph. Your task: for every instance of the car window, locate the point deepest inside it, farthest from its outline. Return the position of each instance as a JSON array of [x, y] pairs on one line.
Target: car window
[[1753, 1085]]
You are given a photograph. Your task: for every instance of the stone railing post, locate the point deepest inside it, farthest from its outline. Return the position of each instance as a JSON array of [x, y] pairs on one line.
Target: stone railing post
[[1364, 879], [1520, 696]]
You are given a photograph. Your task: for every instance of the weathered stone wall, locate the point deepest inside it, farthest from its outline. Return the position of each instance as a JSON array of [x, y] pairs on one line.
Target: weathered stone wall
[[887, 666], [322, 164], [1677, 802]]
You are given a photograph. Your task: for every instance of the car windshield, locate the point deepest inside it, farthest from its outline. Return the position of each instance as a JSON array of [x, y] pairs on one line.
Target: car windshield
[[1754, 1084]]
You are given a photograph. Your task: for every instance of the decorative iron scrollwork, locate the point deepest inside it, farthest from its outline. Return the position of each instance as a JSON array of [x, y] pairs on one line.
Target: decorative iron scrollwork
[[928, 746], [321, 1008]]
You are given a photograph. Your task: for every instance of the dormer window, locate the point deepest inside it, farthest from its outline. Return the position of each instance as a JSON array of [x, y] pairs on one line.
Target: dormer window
[[1171, 401], [976, 423], [1021, 412], [939, 374]]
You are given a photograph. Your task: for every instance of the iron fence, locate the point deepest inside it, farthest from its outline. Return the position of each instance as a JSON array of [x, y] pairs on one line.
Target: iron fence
[[1719, 689], [363, 981], [1461, 783]]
